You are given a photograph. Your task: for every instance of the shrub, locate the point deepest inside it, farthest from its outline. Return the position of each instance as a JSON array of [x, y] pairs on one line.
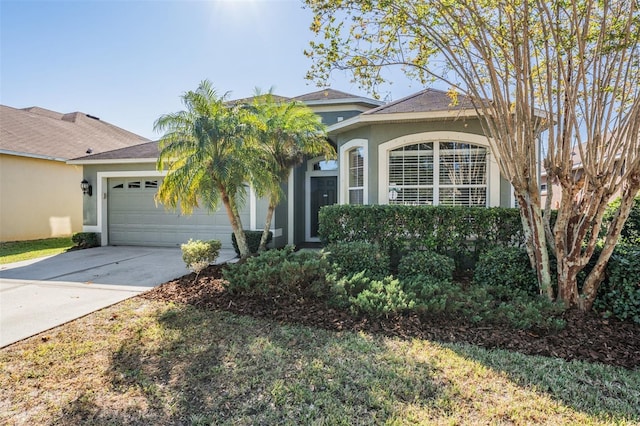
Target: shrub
[[433, 295], [383, 297], [86, 239], [506, 271], [198, 254], [429, 263], [349, 258], [280, 273], [630, 233], [619, 295], [253, 240]]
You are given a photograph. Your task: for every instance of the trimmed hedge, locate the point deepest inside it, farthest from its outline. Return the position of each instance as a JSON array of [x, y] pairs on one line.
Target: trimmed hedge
[[253, 240], [619, 294], [459, 232]]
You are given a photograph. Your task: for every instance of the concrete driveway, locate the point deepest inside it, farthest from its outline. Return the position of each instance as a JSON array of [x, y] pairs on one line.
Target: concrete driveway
[[40, 294]]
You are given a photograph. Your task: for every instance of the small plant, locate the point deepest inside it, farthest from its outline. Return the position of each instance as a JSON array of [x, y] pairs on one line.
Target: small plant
[[253, 240], [426, 263], [199, 254], [358, 256], [383, 297], [86, 239]]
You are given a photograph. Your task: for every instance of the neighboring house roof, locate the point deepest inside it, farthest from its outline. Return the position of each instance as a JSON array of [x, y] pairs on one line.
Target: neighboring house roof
[[144, 152], [42, 133]]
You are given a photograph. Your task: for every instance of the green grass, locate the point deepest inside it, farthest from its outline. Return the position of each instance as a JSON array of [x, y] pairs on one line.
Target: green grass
[[142, 362], [16, 251]]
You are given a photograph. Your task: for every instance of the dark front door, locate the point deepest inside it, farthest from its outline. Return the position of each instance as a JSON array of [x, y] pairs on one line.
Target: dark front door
[[323, 193]]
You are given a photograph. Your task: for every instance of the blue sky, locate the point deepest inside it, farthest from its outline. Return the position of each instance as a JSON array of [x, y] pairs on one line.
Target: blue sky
[[128, 62]]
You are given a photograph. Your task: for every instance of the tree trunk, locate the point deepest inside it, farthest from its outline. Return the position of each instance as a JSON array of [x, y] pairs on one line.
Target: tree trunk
[[536, 243], [595, 277], [236, 223], [267, 226]]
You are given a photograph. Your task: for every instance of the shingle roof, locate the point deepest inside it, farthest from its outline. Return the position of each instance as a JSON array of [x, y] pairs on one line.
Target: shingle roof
[[40, 132], [427, 100], [325, 94], [143, 150]]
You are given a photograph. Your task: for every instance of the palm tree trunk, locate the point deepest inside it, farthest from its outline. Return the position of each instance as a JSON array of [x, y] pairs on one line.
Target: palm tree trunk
[[267, 226], [236, 223]]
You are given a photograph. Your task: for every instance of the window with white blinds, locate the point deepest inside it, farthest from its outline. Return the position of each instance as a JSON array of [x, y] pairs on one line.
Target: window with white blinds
[[356, 176], [438, 173]]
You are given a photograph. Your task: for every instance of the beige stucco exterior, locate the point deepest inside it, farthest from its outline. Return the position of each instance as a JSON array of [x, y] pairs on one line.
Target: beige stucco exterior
[[38, 198]]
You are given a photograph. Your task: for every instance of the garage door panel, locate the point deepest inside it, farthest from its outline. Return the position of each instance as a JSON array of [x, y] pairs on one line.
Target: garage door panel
[[135, 219]]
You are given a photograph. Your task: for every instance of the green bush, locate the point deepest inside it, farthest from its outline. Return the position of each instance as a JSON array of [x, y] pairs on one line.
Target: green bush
[[429, 263], [349, 258], [506, 271], [433, 295], [280, 273], [86, 239], [383, 297], [198, 254], [630, 233], [619, 295], [253, 240], [459, 232]]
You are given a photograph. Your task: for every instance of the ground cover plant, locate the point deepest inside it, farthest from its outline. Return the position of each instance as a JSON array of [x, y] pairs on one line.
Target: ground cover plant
[[16, 251], [160, 362]]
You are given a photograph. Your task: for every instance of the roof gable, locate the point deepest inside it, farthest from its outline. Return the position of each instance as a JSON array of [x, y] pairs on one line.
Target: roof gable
[[427, 100]]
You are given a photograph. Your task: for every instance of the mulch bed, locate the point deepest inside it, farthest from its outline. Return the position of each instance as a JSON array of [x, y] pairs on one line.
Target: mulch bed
[[586, 337]]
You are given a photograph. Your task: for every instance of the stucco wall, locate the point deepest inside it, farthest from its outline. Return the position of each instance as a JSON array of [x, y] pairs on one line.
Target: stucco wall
[[38, 198], [377, 134]]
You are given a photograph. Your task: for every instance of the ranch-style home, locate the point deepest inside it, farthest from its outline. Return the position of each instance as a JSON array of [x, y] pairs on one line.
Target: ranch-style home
[[419, 150], [40, 194]]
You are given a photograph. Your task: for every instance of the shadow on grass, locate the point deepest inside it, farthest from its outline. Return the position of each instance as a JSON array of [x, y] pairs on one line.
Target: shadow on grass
[[203, 367], [605, 391]]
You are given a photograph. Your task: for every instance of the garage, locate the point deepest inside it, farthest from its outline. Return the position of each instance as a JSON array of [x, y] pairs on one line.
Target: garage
[[135, 219]]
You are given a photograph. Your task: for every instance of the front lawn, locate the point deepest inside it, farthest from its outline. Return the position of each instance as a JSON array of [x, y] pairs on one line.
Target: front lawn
[[16, 251], [155, 362]]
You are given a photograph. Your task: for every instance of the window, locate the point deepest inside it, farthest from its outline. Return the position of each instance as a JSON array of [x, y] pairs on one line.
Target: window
[[134, 185], [444, 173], [356, 176], [325, 165], [151, 184]]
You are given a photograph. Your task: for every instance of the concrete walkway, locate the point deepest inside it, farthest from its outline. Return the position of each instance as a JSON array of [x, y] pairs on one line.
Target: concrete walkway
[[40, 294]]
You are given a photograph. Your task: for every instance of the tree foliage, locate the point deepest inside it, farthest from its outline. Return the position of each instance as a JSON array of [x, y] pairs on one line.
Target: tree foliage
[[557, 77], [206, 157], [284, 132]]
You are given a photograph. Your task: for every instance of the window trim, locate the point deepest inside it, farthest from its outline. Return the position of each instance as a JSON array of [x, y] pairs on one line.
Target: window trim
[[343, 163], [493, 171]]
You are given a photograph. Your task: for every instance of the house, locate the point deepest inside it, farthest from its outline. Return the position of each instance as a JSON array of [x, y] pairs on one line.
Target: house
[[40, 194], [418, 150]]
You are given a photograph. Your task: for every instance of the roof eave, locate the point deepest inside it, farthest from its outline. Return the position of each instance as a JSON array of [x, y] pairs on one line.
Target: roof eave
[[31, 155], [80, 161]]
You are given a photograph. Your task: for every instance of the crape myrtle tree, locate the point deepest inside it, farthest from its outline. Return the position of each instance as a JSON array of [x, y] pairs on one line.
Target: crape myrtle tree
[[207, 156], [563, 75], [285, 132]]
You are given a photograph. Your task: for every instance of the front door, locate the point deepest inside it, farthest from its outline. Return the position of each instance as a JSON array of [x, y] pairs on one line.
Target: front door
[[324, 192]]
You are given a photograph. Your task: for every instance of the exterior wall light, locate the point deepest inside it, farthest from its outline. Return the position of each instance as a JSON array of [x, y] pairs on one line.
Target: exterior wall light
[[86, 188]]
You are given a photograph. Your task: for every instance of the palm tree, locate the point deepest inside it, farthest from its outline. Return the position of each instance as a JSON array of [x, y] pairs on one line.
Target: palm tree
[[206, 157], [285, 132]]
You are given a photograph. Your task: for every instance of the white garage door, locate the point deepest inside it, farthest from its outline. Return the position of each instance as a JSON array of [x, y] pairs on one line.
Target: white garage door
[[134, 218]]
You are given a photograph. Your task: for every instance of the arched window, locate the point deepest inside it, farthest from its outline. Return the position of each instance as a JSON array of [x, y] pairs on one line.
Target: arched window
[[447, 173]]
